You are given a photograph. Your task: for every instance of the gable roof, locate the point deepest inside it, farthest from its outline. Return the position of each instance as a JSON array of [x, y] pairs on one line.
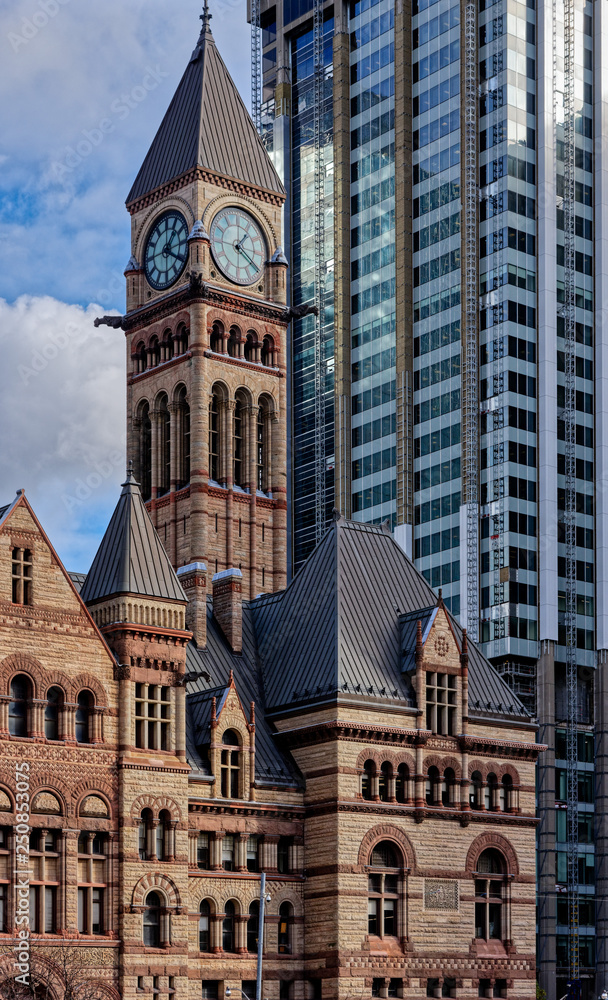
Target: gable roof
[[348, 619], [131, 558], [207, 125]]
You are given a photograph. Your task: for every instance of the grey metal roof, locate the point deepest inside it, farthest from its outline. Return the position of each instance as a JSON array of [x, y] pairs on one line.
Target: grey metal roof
[[78, 580], [209, 675], [207, 125], [339, 626], [409, 630], [131, 558]]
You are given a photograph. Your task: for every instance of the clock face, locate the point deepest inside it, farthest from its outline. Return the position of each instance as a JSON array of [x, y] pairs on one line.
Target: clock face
[[238, 246], [166, 250]]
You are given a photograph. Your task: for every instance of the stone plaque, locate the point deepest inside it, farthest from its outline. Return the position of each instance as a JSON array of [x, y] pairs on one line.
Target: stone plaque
[[440, 894]]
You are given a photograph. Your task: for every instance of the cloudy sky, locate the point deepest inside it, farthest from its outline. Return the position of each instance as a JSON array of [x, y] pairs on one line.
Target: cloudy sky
[[66, 66]]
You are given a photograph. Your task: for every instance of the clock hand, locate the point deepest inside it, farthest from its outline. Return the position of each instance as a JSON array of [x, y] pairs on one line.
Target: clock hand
[[177, 257], [246, 256]]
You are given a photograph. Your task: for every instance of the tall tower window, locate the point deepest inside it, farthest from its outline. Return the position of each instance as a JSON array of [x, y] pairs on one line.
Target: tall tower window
[[214, 439], [164, 446], [151, 921], [184, 444], [22, 576], [489, 896], [239, 428], [145, 451], [260, 449], [204, 926], [83, 717], [383, 890]]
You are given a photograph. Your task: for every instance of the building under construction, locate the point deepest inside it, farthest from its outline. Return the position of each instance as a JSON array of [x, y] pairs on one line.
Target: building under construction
[[448, 214]]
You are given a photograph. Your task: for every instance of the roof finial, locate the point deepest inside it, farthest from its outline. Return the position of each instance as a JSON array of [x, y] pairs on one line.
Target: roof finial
[[206, 16], [130, 469]]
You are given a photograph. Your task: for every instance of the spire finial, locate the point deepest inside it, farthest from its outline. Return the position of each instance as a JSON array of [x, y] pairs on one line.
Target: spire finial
[[130, 469], [206, 16]]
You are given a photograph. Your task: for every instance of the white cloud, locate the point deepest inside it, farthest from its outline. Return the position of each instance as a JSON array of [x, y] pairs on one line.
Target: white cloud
[[62, 412]]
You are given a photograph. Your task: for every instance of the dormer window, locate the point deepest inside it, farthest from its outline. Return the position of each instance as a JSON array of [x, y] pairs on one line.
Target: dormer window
[[22, 576], [440, 703]]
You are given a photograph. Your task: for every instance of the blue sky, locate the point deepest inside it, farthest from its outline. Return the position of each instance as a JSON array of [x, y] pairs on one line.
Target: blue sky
[[66, 66]]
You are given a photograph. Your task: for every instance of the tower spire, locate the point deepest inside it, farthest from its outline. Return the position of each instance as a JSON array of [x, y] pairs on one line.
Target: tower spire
[[205, 18]]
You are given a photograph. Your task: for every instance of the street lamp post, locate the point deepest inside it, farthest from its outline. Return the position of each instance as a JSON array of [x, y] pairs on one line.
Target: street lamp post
[[258, 986]]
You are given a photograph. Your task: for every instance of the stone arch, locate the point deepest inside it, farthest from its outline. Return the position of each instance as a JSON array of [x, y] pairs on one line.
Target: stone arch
[[385, 831], [55, 679], [223, 200], [21, 663], [87, 682], [374, 755], [284, 895], [142, 802], [162, 802], [245, 392], [267, 401], [220, 389], [47, 803], [433, 761], [6, 795], [177, 388], [198, 897], [505, 769], [154, 882], [174, 201], [101, 789], [47, 782], [454, 764], [500, 843], [478, 765], [405, 758]]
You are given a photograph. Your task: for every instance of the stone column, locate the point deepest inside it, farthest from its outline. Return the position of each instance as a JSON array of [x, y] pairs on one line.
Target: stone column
[[199, 475], [69, 715], [192, 848], [240, 852], [547, 909], [36, 728], [5, 700], [180, 720], [62, 874]]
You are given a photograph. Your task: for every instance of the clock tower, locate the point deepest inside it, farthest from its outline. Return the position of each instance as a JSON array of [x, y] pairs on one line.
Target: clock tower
[[205, 329]]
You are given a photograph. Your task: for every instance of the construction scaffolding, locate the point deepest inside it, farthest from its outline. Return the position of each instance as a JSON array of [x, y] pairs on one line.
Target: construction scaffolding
[[569, 418], [320, 271], [256, 65]]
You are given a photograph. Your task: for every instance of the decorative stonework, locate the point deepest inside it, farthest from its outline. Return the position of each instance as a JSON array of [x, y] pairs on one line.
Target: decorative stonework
[[441, 894], [442, 646]]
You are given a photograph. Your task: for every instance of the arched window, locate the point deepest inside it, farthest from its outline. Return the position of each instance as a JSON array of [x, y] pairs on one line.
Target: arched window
[[384, 781], [164, 445], [476, 791], [491, 792], [54, 702], [233, 342], [267, 349], [228, 937], [152, 920], [489, 891], [216, 338], [285, 928], [401, 783], [21, 693], [214, 438], [204, 926], [163, 833], [145, 451], [383, 890], [167, 346], [261, 450], [239, 440], [506, 794], [144, 833], [141, 358], [253, 927], [22, 576], [230, 765], [83, 717], [250, 347], [154, 352], [184, 444], [182, 340], [448, 788], [367, 779], [433, 787]]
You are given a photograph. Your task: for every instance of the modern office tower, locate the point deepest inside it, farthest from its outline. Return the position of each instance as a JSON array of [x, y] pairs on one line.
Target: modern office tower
[[461, 353]]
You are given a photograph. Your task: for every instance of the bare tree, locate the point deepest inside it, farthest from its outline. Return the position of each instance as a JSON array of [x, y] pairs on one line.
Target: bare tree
[[58, 973]]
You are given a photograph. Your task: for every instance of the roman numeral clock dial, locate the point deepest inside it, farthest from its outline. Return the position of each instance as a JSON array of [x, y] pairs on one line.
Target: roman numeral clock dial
[[166, 250], [238, 246]]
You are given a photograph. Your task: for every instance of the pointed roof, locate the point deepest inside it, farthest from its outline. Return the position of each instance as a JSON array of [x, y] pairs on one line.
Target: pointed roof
[[349, 619], [131, 558], [208, 126]]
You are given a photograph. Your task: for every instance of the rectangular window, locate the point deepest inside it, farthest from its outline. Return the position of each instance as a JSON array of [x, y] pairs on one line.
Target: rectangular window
[[22, 576], [440, 702], [3, 904], [202, 851], [97, 911], [252, 854], [152, 716], [82, 911], [210, 990], [228, 853], [50, 908]]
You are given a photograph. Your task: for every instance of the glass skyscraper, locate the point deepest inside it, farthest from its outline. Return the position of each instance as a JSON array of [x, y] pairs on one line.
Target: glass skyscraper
[[465, 354]]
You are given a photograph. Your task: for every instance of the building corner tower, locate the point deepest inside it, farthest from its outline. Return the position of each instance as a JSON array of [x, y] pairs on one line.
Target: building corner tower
[[205, 329]]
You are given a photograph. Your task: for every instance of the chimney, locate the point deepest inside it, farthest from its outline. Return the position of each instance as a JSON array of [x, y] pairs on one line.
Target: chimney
[[228, 606]]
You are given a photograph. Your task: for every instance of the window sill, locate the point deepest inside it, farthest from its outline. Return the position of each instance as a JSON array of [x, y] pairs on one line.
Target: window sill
[[489, 949]]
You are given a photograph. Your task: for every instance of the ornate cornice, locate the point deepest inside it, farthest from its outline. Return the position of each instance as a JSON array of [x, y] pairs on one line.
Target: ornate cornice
[[489, 747], [326, 732], [207, 177]]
